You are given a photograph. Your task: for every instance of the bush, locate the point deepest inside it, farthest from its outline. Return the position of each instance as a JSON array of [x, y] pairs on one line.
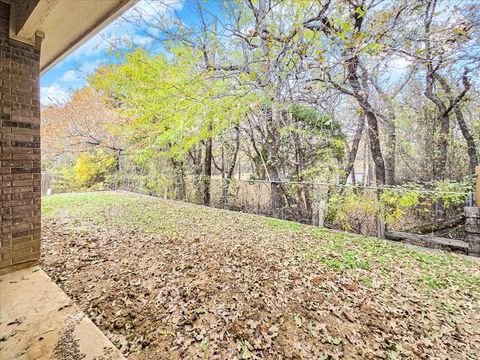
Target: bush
[[91, 169]]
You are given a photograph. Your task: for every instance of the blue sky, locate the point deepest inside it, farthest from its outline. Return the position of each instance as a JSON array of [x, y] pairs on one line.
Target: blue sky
[[71, 73]]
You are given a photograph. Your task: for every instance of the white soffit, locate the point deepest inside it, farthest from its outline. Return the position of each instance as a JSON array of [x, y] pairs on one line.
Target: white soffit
[[64, 24]]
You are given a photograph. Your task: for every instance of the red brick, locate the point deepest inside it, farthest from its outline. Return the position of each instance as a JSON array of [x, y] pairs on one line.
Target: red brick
[[20, 151]]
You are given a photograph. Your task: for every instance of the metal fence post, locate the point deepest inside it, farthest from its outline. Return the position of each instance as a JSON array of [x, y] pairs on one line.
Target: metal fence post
[[272, 211], [477, 186], [470, 197], [381, 225], [380, 218], [320, 207]]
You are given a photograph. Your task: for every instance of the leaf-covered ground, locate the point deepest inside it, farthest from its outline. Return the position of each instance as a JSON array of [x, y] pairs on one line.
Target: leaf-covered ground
[[167, 280]]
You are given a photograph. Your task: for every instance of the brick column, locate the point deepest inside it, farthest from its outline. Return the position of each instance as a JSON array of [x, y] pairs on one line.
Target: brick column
[[472, 230], [20, 149]]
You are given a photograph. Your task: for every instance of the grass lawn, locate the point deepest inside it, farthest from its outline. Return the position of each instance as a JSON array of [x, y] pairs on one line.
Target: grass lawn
[[167, 280]]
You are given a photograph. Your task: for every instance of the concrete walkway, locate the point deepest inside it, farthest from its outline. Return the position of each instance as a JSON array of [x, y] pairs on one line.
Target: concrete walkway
[[39, 321]]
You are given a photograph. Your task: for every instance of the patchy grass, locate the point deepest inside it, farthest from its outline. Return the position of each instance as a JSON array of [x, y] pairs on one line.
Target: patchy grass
[[283, 224], [166, 279]]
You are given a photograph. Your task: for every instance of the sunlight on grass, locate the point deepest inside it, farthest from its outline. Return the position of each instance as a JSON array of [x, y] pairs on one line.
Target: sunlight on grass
[[283, 224]]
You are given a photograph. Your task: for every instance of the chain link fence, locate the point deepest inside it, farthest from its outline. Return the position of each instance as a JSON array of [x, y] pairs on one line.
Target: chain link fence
[[360, 209]]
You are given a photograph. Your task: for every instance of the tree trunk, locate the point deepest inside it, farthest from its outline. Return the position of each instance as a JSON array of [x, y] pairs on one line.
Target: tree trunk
[[228, 176], [361, 95], [472, 150], [352, 154], [390, 153], [197, 157], [179, 184], [440, 155], [375, 149], [118, 165], [207, 172]]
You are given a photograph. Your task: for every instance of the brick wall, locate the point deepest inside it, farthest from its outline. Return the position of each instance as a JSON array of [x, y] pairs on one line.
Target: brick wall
[[20, 148]]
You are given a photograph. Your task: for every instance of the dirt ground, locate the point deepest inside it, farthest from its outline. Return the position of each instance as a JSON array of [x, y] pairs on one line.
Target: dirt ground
[[171, 280]]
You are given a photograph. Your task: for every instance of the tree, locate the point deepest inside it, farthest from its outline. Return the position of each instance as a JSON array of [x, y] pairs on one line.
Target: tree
[[174, 105], [83, 123]]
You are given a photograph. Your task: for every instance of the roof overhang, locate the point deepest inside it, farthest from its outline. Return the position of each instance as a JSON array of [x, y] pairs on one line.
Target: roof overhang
[[63, 25]]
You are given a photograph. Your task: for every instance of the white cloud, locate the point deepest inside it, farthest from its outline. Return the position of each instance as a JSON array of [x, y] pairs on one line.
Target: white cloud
[[69, 76], [125, 30], [80, 71], [399, 63], [140, 40], [89, 67], [53, 94], [150, 9]]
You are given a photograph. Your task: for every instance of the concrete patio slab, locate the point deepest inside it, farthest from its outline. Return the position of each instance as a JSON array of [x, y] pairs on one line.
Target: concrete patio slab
[[39, 321]]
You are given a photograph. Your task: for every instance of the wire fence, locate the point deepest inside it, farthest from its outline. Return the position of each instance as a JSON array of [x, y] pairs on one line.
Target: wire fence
[[360, 209], [354, 208]]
